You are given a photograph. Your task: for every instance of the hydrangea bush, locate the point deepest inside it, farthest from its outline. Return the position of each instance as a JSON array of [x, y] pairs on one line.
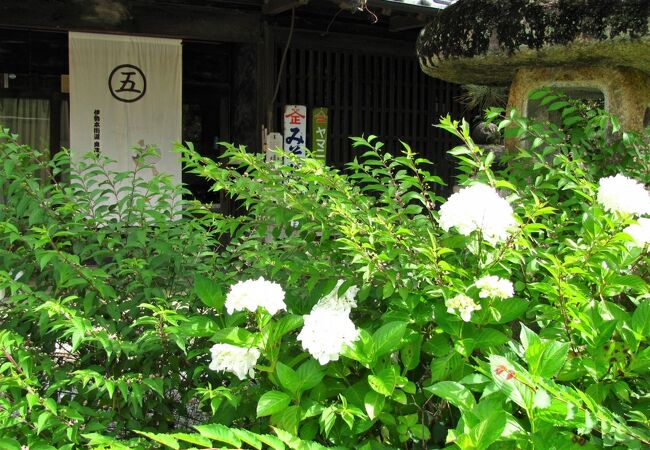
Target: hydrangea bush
[[513, 315]]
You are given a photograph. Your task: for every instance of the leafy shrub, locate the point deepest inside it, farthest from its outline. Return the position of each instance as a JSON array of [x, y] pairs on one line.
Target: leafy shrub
[[101, 319], [461, 329]]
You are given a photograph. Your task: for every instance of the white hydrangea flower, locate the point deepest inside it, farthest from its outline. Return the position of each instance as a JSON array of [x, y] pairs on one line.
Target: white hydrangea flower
[[478, 207], [237, 360], [253, 294], [640, 232], [344, 303], [463, 304], [623, 195], [325, 332], [495, 287]]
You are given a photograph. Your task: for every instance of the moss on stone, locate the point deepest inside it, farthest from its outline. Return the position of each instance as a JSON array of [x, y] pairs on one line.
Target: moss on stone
[[492, 33]]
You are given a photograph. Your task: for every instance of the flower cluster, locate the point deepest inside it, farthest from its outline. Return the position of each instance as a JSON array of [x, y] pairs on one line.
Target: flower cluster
[[327, 328], [237, 360], [478, 207], [640, 232], [623, 195], [463, 304], [325, 332], [494, 287], [252, 294]]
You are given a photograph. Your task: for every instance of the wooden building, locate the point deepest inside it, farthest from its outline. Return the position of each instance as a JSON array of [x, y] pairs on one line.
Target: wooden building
[[242, 62]]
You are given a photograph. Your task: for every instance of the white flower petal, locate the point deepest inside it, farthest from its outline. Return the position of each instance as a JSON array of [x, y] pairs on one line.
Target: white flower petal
[[623, 195], [325, 332], [252, 294], [237, 360], [478, 207], [495, 287], [463, 304], [640, 232]]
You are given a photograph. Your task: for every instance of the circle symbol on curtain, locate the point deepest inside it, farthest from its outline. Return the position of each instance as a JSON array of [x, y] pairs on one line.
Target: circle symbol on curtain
[[127, 83]]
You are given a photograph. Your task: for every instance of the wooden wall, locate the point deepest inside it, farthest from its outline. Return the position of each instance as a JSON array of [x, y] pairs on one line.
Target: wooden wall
[[373, 90]]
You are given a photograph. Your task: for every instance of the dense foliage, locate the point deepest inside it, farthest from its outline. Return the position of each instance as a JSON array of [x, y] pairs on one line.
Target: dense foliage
[[513, 315]]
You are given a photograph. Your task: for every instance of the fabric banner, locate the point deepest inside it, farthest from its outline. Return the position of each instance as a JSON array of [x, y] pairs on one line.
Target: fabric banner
[[125, 91]]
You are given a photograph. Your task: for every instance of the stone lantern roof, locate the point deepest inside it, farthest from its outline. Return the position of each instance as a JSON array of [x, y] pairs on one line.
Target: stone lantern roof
[[487, 41]]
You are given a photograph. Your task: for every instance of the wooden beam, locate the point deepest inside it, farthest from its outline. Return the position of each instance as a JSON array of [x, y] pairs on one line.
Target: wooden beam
[[272, 7], [338, 41], [138, 18], [402, 23]]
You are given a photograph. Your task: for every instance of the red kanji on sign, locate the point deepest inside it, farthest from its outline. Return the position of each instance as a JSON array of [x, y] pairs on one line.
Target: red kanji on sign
[[295, 117], [320, 118]]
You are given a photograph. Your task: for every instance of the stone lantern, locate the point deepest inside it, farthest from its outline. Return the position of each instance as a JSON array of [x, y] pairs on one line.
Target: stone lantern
[[585, 48]]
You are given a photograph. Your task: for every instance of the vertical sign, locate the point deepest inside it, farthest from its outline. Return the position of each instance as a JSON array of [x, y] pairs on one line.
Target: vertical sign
[[319, 133], [273, 142], [295, 129], [125, 91]]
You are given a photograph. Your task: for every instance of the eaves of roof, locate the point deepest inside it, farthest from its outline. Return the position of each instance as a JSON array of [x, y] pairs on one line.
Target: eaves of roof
[[418, 6]]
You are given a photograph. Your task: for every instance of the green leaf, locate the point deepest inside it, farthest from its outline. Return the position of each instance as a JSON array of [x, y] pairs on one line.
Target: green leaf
[[272, 441], [42, 422], [234, 336], [388, 290], [9, 444], [558, 105], [489, 337], [455, 393], [285, 325], [357, 351], [641, 319], [290, 439], [442, 367], [219, 432], [538, 94], [50, 404], [310, 374], [420, 432], [272, 402], [287, 377], [399, 396], [193, 439], [198, 326], [388, 338], [488, 430], [410, 353], [327, 420], [156, 385], [248, 437], [545, 357], [287, 419], [373, 403], [571, 120], [384, 382], [32, 399], [164, 439], [209, 292], [110, 388], [507, 311], [501, 370]]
